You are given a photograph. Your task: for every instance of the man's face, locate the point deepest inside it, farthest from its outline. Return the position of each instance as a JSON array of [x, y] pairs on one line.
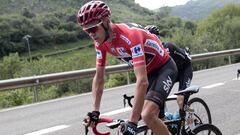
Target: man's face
[[95, 31]]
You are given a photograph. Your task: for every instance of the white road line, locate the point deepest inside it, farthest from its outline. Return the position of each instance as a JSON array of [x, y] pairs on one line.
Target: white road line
[[236, 79], [213, 85], [48, 130], [117, 111]]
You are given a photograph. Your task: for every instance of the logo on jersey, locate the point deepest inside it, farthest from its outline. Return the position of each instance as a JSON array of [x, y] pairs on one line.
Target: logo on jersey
[[122, 52], [137, 51], [167, 84], [153, 44], [125, 39], [99, 54]]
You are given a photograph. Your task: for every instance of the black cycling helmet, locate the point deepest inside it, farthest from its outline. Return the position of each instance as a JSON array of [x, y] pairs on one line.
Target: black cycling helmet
[[152, 29]]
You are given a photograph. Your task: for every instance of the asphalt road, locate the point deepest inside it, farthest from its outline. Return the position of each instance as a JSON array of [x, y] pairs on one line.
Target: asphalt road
[[219, 88]]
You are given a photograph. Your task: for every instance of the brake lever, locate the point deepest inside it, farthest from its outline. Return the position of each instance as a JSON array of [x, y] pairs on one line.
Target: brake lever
[[86, 130], [86, 127], [128, 98], [124, 100]]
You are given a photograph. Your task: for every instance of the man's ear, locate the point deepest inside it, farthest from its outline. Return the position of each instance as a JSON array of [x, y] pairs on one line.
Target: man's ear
[[106, 20]]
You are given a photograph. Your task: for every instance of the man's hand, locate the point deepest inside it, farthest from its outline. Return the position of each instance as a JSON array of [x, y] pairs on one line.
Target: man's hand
[[128, 128], [92, 119]]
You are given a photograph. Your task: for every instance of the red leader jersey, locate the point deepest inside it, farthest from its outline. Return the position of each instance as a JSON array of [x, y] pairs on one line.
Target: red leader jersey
[[133, 45]]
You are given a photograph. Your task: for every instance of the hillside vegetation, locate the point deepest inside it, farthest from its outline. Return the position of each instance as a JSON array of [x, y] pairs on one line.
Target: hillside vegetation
[[53, 22], [199, 9]]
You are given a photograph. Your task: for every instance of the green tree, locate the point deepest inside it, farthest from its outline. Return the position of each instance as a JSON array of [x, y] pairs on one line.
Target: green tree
[[232, 32], [221, 28], [169, 25], [162, 12], [190, 26]]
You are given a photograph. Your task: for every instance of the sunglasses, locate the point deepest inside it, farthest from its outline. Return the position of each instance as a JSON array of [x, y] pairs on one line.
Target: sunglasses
[[93, 29]]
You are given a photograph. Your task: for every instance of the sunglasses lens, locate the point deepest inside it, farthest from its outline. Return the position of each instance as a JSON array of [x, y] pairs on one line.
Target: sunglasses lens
[[92, 30]]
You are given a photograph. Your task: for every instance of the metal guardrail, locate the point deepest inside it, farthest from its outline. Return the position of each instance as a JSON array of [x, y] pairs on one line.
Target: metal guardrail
[[70, 75], [204, 56]]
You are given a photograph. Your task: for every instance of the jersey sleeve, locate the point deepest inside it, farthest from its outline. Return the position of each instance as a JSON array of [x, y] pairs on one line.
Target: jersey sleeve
[[137, 51], [100, 56], [179, 51]]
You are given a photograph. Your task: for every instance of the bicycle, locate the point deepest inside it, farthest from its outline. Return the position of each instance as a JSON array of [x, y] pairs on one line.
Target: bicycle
[[188, 123], [201, 109]]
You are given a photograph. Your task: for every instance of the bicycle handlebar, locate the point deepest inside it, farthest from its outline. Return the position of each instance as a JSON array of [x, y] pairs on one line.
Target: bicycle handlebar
[[102, 120]]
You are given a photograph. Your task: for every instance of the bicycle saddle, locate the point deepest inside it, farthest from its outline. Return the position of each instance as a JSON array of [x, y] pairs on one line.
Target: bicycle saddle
[[188, 91]]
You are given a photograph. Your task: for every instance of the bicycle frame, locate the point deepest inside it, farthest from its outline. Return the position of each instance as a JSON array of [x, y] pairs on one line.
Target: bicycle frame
[[179, 122]]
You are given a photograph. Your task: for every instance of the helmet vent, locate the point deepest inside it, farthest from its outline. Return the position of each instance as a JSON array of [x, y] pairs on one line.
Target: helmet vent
[[101, 5]]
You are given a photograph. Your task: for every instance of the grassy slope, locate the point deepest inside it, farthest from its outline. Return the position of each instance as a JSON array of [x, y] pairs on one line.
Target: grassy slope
[[122, 11]]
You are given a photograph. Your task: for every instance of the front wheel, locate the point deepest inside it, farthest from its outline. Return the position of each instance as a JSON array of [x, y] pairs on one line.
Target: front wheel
[[206, 129], [201, 111]]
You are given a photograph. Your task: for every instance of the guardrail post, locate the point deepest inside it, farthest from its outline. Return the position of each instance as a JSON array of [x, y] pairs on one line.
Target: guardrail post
[[229, 60], [128, 78], [35, 91]]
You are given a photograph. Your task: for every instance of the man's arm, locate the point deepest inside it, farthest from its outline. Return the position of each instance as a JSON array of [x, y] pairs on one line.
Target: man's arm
[[97, 87], [140, 92]]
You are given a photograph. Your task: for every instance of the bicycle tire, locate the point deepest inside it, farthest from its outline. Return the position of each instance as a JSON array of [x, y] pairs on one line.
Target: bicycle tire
[[200, 113], [205, 129]]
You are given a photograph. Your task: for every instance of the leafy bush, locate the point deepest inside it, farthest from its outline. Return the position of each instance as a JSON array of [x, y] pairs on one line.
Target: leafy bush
[[70, 26], [116, 80], [47, 92], [15, 98], [51, 22], [65, 36], [10, 66]]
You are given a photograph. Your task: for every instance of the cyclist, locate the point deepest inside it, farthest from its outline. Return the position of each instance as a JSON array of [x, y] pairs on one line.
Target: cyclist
[[153, 67], [182, 60]]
